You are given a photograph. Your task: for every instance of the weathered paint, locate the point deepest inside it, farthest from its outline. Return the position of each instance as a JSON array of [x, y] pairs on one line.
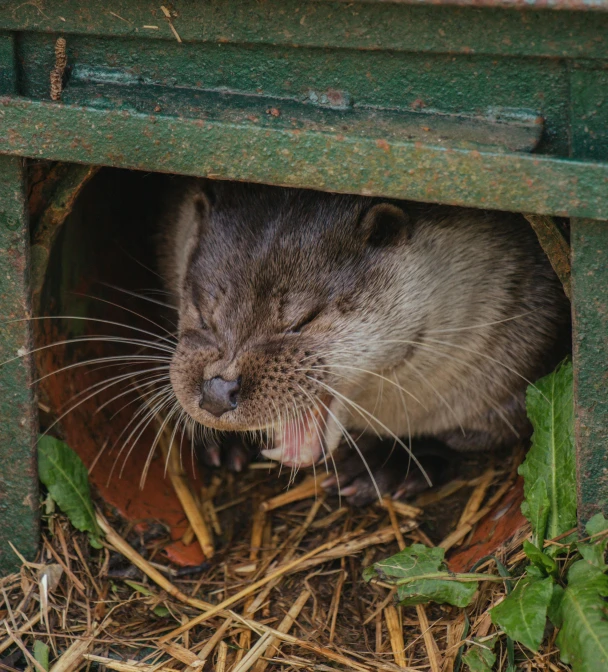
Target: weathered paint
[[396, 90], [392, 98], [59, 205], [18, 474], [599, 5], [555, 246], [331, 161], [350, 25], [8, 74], [589, 241], [589, 103], [368, 119]]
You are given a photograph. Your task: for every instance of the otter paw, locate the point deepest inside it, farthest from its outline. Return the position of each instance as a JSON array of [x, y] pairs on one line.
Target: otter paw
[[228, 450], [394, 472]]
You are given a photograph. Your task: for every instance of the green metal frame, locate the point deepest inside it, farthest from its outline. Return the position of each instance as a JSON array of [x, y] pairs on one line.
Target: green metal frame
[[590, 313], [18, 475], [487, 103]]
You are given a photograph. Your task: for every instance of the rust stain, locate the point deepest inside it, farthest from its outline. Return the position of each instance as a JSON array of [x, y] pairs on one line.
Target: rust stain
[[14, 138], [383, 145]]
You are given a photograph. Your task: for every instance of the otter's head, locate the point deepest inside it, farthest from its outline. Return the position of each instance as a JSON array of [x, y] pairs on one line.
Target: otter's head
[[286, 298]]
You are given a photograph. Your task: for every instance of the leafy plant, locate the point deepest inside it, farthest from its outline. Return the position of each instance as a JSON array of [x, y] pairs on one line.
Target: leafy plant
[[420, 576], [523, 613], [41, 653], [157, 608], [580, 611], [66, 479], [549, 470], [565, 583], [572, 598], [481, 657]]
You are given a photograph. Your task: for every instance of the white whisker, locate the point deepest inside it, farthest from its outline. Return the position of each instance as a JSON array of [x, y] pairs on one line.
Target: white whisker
[[441, 398], [128, 310], [165, 396], [353, 443], [97, 320], [361, 410], [96, 360], [93, 339], [143, 296], [371, 373], [480, 326]]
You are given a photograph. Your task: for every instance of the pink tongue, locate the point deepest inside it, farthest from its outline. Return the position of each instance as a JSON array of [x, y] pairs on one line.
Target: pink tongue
[[297, 444]]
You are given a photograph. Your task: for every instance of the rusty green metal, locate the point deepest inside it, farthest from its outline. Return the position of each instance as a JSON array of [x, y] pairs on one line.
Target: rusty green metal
[[555, 246], [418, 102], [314, 159], [18, 413], [419, 26], [589, 97], [59, 203], [487, 103], [18, 474], [590, 312]]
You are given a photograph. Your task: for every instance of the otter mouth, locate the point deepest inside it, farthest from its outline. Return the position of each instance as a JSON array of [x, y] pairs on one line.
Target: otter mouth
[[302, 441]]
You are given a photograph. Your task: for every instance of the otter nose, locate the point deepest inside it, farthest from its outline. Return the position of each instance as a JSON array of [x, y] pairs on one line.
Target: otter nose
[[218, 396]]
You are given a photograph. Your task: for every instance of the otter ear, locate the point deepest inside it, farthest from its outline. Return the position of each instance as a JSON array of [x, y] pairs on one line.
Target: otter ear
[[204, 200], [386, 224]]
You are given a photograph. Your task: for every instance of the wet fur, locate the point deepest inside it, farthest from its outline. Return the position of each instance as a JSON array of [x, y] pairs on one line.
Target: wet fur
[[431, 319]]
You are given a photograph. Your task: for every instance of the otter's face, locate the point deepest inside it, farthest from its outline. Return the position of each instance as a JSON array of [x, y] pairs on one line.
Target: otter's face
[[282, 306]]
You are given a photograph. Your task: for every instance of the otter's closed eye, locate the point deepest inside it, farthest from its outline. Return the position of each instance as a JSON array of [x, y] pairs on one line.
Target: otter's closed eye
[[304, 322]]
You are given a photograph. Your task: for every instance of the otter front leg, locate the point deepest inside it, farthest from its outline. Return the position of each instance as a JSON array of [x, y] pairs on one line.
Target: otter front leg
[[393, 469]]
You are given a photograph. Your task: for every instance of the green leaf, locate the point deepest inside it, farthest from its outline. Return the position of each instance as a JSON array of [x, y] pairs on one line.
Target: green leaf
[[420, 575], [49, 505], [139, 588], [583, 638], [41, 653], [481, 657], [541, 560], [161, 611], [594, 551], [66, 479], [94, 541], [533, 572], [551, 458], [411, 561], [536, 509], [555, 606], [596, 525], [523, 613]]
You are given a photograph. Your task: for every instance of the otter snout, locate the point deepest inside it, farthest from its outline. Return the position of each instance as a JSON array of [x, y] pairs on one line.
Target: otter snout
[[218, 396]]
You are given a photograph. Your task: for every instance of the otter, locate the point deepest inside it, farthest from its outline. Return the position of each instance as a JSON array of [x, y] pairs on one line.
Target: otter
[[315, 320]]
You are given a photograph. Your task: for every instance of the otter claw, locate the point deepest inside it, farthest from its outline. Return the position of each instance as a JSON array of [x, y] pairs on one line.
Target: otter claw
[[210, 454], [229, 451], [394, 473], [237, 456], [329, 482]]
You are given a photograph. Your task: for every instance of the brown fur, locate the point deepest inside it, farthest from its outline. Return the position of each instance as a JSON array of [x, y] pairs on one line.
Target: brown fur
[[431, 319]]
